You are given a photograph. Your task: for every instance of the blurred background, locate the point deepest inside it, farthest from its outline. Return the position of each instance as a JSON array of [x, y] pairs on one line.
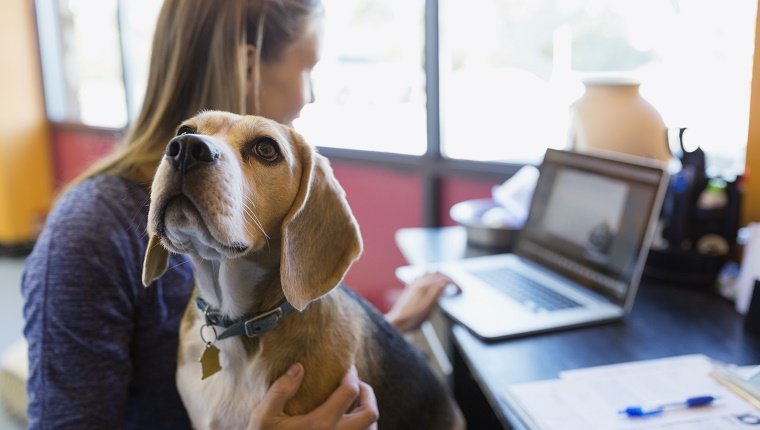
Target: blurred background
[[420, 103]]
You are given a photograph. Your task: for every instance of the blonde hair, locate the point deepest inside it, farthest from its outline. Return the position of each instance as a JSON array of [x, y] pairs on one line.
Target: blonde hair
[[199, 62]]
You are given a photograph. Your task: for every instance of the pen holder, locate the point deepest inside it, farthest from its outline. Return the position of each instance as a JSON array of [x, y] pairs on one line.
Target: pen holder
[[698, 235], [683, 267]]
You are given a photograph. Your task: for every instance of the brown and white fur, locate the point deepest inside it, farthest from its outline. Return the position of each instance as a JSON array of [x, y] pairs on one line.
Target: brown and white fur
[[262, 218]]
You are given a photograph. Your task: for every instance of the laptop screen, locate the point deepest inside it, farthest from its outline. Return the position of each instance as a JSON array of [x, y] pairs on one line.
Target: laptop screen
[[590, 218]]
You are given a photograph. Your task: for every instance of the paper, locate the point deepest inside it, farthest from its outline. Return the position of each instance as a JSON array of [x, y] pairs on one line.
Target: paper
[[590, 399]]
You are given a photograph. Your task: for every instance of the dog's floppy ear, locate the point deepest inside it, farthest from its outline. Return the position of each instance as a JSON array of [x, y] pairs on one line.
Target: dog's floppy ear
[[156, 261], [320, 237]]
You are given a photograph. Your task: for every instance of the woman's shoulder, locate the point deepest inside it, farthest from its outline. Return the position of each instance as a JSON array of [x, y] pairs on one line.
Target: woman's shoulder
[[102, 198], [101, 187], [96, 226], [99, 211]]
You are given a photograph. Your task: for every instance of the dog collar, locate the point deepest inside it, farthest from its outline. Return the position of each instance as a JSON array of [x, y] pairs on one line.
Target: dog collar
[[248, 326]]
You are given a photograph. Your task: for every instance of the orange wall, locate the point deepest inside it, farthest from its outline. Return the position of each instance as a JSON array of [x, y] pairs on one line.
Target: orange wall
[[26, 179], [751, 200]]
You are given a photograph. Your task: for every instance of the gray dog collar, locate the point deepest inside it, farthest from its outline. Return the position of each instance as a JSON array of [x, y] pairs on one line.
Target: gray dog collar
[[247, 325]]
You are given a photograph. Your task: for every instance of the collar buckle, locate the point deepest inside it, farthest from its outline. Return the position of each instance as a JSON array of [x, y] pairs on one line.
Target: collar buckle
[[263, 323], [252, 327]]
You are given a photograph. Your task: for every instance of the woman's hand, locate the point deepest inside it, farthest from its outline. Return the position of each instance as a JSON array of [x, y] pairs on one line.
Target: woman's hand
[[332, 414], [417, 300]]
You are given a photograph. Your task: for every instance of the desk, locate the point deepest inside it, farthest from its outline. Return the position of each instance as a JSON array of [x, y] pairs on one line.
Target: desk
[[666, 320]]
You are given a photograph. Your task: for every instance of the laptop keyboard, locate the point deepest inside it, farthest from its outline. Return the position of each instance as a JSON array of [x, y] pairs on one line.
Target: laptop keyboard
[[530, 293]]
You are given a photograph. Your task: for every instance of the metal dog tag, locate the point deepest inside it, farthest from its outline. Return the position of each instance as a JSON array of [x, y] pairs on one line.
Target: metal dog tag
[[210, 361]]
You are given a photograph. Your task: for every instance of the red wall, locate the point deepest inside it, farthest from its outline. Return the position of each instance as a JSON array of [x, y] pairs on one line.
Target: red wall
[[383, 200], [75, 150], [455, 190]]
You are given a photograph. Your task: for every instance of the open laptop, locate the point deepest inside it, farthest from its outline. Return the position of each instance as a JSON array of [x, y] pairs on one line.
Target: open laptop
[[579, 257]]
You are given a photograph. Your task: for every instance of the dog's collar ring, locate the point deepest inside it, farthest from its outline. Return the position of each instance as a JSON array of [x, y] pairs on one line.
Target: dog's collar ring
[[213, 330]]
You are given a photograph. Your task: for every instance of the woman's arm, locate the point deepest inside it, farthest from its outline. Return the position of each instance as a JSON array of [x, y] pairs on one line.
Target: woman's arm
[[79, 327], [100, 345]]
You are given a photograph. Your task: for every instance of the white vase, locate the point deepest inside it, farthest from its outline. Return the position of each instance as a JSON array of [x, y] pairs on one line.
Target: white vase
[[611, 115]]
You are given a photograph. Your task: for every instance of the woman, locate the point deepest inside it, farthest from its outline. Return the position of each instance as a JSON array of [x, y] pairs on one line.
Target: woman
[[102, 348]]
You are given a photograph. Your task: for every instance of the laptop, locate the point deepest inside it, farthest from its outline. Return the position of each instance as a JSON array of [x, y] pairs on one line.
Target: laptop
[[579, 257]]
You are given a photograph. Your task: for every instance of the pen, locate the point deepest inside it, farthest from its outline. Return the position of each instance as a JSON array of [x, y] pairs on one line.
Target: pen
[[691, 402]]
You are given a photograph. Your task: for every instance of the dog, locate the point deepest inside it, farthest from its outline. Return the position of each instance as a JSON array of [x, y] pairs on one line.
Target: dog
[[270, 236]]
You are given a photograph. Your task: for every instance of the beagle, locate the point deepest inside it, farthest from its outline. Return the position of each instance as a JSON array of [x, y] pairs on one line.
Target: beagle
[[270, 236]]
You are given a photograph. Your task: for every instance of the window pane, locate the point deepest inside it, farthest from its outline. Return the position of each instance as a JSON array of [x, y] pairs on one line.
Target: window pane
[[138, 23], [370, 82], [81, 62], [511, 68]]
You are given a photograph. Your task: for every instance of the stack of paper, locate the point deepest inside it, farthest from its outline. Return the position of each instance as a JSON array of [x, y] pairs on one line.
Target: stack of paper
[[591, 399], [742, 380]]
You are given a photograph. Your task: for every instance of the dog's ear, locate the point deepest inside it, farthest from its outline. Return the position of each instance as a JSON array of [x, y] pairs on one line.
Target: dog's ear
[[156, 261], [320, 237]]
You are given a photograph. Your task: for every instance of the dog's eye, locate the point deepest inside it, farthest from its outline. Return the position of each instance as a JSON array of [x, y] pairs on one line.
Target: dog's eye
[[186, 129], [266, 149]]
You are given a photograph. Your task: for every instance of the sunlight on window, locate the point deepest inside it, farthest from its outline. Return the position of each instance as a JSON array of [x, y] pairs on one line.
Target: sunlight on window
[[93, 62], [370, 82], [511, 69], [139, 18], [81, 53]]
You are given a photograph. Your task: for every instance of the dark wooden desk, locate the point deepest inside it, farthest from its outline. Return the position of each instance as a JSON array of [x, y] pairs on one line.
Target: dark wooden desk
[[666, 320]]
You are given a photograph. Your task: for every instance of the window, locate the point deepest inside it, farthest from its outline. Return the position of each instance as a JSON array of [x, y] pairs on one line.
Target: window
[[370, 83], [94, 57], [138, 19], [511, 68]]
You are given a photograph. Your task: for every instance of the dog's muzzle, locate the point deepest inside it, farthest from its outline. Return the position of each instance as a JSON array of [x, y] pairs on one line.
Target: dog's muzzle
[[189, 151]]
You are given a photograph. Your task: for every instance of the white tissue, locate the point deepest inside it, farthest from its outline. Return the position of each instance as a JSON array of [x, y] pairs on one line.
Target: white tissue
[[750, 269], [514, 196], [496, 217]]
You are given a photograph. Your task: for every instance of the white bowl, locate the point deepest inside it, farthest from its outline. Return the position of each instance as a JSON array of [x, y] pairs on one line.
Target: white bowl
[[470, 215]]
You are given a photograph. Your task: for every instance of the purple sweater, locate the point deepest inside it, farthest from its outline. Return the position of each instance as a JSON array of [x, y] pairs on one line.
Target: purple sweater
[[102, 348]]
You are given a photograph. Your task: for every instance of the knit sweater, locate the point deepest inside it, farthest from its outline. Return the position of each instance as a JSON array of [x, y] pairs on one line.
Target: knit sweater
[[102, 348]]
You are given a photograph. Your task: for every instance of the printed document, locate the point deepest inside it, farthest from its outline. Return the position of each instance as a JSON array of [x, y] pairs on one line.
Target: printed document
[[591, 398]]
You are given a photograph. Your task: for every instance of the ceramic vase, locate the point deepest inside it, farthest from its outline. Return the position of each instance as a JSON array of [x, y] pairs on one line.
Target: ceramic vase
[[611, 115]]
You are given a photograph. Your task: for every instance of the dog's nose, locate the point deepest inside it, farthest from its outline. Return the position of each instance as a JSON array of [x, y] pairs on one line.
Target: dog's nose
[[188, 151]]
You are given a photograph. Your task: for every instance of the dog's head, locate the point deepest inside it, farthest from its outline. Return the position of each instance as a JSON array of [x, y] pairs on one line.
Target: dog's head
[[228, 184]]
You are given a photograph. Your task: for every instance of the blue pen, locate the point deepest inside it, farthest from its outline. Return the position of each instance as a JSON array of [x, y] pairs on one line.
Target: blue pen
[[691, 402]]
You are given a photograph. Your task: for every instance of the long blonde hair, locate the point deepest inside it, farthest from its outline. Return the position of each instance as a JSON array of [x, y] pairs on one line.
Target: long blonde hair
[[199, 62]]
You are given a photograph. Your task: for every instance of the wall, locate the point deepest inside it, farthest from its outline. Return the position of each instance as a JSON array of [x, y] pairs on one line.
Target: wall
[[75, 148], [383, 201], [455, 190], [26, 178], [751, 200]]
